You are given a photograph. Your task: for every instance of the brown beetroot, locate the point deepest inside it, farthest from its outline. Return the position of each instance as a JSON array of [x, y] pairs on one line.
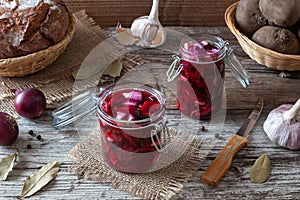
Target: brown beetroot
[[282, 13], [277, 39], [248, 17]]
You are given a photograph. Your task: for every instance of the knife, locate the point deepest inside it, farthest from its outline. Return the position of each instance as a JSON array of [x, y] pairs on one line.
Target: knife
[[222, 162]]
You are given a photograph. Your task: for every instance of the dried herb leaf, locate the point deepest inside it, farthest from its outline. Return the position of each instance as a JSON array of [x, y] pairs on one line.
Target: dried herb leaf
[[40, 178], [6, 165], [114, 69], [99, 58], [261, 169]]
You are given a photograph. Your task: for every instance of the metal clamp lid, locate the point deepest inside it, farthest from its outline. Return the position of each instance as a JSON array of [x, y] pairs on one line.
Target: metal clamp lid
[[236, 67], [74, 110], [175, 68], [164, 140]]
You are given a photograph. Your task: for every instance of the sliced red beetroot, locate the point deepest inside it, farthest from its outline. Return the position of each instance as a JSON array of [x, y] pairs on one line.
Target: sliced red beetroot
[[126, 109], [106, 106], [130, 102], [114, 137], [149, 107], [135, 96], [124, 116], [109, 137], [197, 48], [205, 112], [199, 82], [145, 149], [211, 49], [116, 98], [121, 116], [129, 147]]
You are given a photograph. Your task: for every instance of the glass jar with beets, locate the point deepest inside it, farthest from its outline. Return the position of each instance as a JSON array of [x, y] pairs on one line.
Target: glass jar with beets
[[131, 117], [200, 70]]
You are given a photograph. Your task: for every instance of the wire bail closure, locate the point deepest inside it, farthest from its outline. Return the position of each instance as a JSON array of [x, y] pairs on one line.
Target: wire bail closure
[[175, 68], [163, 141], [235, 66]]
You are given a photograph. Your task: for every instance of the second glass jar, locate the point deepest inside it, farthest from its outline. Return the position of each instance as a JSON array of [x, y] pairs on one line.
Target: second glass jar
[[200, 67]]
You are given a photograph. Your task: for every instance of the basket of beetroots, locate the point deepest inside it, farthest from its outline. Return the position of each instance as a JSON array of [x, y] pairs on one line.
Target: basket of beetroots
[[268, 31]]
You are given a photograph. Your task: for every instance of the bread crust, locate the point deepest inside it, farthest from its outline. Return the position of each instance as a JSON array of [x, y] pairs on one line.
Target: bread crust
[[30, 26]]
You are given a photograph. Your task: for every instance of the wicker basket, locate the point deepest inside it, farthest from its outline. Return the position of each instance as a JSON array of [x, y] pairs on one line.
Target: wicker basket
[[264, 56], [31, 63]]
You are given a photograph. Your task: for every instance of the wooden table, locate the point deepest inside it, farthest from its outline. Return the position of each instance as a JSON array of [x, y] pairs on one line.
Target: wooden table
[[284, 182]]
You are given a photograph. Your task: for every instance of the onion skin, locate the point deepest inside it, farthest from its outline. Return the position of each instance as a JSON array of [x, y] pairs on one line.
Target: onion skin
[[29, 103], [9, 129], [283, 132]]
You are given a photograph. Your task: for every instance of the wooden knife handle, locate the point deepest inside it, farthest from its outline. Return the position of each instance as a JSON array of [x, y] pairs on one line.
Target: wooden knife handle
[[222, 162]]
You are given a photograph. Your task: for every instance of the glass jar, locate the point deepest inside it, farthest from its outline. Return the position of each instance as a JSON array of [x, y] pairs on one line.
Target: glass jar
[[200, 68], [132, 123]]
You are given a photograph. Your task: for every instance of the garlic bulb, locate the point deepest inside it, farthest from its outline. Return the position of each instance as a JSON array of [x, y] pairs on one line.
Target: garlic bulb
[[146, 27], [145, 31], [283, 125]]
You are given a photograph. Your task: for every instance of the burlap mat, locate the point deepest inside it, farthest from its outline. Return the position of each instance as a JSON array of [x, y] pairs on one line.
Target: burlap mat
[[56, 81], [160, 184]]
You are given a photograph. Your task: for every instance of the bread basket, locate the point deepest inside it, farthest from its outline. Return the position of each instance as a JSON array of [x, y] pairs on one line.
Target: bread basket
[[31, 63], [264, 56]]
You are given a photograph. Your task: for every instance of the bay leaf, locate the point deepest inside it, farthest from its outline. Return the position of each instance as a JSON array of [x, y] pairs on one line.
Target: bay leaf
[[261, 169], [6, 165], [114, 69], [99, 58], [40, 178]]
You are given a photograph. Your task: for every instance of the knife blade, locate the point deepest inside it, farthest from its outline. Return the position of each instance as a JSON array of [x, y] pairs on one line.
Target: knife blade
[[223, 161]]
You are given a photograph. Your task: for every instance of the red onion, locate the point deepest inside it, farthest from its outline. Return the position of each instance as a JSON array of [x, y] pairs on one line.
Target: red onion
[[29, 103], [9, 129]]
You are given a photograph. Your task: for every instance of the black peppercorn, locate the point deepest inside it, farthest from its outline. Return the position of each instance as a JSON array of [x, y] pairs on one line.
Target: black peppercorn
[[30, 132], [28, 146], [202, 128], [39, 137]]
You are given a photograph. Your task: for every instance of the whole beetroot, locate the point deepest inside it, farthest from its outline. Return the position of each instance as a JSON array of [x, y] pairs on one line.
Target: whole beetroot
[[277, 39], [248, 17], [9, 129], [282, 13]]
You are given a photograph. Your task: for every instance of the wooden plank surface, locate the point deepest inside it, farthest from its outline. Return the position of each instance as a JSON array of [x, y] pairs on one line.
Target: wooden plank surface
[[284, 182], [108, 13]]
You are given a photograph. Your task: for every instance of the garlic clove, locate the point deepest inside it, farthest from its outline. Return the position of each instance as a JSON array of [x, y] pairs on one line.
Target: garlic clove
[[283, 126]]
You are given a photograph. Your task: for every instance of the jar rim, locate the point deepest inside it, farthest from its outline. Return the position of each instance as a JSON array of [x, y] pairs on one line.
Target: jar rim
[[131, 86], [196, 37]]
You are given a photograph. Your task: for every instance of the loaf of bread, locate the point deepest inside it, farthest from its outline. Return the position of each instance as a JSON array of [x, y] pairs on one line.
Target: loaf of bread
[[27, 26]]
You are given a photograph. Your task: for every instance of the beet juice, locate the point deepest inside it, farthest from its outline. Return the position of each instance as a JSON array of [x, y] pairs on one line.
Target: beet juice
[[200, 67], [129, 114], [200, 82]]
